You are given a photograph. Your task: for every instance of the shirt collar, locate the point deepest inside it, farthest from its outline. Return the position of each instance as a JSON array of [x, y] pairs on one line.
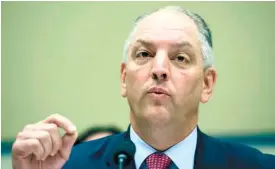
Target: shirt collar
[[182, 154]]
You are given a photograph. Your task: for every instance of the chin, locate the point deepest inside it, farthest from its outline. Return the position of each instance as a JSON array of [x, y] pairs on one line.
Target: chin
[[157, 115]]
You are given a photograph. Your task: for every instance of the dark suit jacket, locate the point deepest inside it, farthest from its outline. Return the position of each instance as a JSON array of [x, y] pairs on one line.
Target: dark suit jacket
[[210, 153]]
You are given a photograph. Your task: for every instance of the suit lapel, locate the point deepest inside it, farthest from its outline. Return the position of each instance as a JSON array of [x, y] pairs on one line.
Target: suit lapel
[[209, 154], [111, 148]]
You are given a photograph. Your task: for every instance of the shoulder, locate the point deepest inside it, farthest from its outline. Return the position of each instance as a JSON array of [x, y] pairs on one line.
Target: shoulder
[[239, 155], [91, 153]]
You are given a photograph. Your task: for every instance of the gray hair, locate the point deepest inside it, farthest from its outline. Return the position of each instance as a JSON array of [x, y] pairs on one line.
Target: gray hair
[[205, 35]]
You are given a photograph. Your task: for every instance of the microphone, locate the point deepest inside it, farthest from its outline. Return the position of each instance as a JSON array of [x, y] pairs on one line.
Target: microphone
[[124, 154]]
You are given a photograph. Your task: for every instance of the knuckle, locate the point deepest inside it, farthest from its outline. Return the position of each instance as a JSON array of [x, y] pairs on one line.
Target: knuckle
[[34, 144], [44, 135], [20, 135], [28, 126], [53, 127], [16, 147], [55, 115]]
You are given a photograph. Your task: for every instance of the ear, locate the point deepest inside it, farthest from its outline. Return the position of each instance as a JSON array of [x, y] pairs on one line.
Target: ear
[[123, 79], [209, 81]]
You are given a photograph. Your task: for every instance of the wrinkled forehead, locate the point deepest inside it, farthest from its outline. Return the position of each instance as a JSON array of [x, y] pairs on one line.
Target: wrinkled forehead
[[167, 27]]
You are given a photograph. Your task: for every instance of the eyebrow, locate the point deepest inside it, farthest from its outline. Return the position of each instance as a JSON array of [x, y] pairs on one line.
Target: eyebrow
[[144, 43], [150, 44]]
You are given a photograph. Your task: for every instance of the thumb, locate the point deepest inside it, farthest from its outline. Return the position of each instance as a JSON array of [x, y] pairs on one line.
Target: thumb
[[68, 141]]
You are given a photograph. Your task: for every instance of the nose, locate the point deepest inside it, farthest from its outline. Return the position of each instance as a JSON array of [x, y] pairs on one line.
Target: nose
[[160, 68]]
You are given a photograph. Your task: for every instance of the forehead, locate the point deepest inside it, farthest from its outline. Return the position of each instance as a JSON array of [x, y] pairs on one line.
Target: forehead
[[167, 27]]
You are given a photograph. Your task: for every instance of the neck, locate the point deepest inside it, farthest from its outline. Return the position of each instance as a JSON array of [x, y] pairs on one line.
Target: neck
[[163, 136]]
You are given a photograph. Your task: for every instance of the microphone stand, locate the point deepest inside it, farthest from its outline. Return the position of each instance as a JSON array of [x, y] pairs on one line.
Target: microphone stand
[[121, 160]]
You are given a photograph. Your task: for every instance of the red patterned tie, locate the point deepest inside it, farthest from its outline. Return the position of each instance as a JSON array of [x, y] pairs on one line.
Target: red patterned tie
[[158, 161]]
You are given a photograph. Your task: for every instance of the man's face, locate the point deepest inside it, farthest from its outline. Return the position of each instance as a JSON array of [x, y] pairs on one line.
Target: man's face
[[163, 79]]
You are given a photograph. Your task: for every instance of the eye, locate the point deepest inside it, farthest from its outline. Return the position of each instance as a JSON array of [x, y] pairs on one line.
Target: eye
[[180, 58], [142, 54]]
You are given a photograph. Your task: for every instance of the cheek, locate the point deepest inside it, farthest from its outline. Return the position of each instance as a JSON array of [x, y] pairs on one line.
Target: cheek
[[137, 77], [140, 78], [136, 84], [188, 82]]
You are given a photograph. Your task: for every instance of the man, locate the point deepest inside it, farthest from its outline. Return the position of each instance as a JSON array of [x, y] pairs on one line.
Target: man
[[166, 72]]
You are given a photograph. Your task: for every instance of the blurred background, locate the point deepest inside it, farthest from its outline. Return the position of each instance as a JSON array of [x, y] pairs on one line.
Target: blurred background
[[64, 57]]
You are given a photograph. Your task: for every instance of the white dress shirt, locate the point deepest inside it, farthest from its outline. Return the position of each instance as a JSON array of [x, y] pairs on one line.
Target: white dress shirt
[[182, 154]]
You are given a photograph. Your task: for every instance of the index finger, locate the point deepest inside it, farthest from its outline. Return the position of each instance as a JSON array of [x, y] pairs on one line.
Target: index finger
[[61, 122]]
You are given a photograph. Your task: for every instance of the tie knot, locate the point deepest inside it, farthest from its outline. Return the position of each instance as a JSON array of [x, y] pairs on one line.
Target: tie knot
[[158, 161]]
